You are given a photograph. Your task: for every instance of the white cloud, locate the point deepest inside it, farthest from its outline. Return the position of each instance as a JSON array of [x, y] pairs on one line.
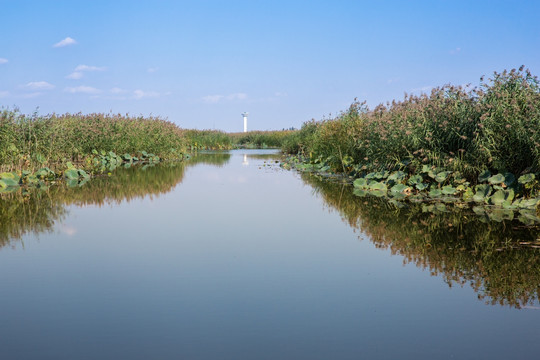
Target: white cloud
[[280, 94], [139, 94], [217, 98], [83, 90], [455, 51], [75, 75], [3, 61], [116, 90], [39, 85], [4, 94], [78, 73], [66, 42], [152, 69], [90, 68]]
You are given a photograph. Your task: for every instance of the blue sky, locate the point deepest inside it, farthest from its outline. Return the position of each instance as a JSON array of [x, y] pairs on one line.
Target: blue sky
[[202, 63]]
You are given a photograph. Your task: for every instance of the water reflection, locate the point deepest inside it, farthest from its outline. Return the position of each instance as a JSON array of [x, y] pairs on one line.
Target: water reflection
[[499, 260], [37, 210]]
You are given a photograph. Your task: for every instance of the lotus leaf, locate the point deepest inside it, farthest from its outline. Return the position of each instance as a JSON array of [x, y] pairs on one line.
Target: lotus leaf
[[415, 179], [8, 182], [482, 191], [449, 190], [527, 178], [484, 176], [422, 186], [360, 192], [360, 183], [399, 188], [498, 197], [426, 169], [397, 176], [71, 174], [378, 193], [70, 165], [83, 174], [442, 176], [468, 194], [509, 179], [496, 179], [72, 182], [435, 192], [377, 186]]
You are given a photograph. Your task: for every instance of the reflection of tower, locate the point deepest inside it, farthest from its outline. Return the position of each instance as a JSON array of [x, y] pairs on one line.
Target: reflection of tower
[[245, 162], [244, 115]]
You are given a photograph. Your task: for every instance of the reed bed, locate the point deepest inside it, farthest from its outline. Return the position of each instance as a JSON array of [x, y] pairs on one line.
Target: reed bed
[[491, 127], [32, 141]]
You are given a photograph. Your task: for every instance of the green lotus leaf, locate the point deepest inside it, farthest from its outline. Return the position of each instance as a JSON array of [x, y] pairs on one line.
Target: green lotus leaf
[[415, 179], [397, 176], [525, 179], [399, 188], [378, 186], [498, 197], [449, 190], [72, 182], [442, 176], [435, 192], [360, 183], [71, 174], [468, 194], [83, 174], [422, 186], [8, 182], [509, 179], [484, 176], [482, 191], [360, 192], [496, 179]]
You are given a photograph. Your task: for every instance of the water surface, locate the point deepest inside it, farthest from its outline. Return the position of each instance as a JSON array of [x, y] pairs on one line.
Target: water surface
[[230, 257]]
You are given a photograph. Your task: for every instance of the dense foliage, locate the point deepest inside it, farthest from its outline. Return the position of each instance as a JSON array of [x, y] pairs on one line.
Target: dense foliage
[[493, 127]]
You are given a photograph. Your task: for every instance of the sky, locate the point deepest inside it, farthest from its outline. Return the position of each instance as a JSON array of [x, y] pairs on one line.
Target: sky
[[200, 64]]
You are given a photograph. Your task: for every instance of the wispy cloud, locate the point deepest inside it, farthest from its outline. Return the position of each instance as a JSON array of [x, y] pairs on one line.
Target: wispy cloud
[[66, 42], [392, 80], [90, 68], [82, 90], [75, 75], [3, 61], [152, 69], [4, 94], [217, 98], [139, 94], [117, 90], [455, 51], [78, 73], [38, 85]]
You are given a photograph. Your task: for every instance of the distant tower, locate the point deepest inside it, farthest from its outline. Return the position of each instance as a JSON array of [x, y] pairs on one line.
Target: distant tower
[[244, 115]]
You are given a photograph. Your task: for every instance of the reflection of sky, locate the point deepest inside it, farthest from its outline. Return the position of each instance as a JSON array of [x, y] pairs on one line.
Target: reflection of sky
[[236, 262]]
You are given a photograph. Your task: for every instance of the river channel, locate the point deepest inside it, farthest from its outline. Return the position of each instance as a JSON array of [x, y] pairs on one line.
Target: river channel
[[228, 256]]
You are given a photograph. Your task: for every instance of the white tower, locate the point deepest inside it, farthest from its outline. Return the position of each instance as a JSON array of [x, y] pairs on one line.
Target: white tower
[[244, 115]]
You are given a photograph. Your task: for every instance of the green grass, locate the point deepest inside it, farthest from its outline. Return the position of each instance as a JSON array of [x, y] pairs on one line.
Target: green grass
[[493, 127], [33, 141]]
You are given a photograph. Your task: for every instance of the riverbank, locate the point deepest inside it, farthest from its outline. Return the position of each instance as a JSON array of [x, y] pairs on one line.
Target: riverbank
[[471, 145]]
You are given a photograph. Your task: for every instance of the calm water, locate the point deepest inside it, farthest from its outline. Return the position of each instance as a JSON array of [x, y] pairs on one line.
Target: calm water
[[230, 257]]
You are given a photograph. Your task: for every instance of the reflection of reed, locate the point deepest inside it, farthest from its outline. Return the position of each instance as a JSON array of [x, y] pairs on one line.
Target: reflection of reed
[[454, 244], [36, 211]]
